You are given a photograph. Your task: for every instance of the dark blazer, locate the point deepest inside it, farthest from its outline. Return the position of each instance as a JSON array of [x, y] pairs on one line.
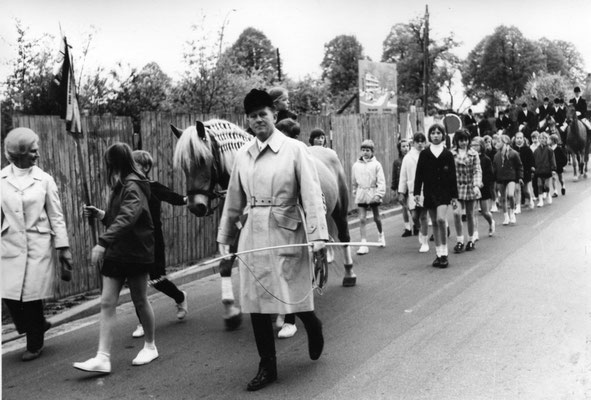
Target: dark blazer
[[503, 123], [436, 176], [469, 120], [561, 160], [283, 114], [530, 119], [560, 116], [129, 236], [527, 160], [507, 170], [543, 112], [580, 106], [160, 193]]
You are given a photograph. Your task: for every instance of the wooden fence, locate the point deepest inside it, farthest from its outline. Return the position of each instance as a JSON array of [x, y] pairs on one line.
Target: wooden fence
[[187, 238]]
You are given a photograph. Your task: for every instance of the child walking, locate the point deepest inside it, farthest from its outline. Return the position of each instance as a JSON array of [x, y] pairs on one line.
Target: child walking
[[436, 178], [369, 187], [158, 280], [403, 149]]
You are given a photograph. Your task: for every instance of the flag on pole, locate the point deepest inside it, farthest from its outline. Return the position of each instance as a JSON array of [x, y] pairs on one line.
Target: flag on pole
[[67, 92], [409, 133]]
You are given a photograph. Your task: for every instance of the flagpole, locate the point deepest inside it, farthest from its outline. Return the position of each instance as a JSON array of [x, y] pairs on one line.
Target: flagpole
[[76, 136]]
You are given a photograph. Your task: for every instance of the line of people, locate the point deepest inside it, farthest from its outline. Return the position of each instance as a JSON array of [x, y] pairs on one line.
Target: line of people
[[471, 175]]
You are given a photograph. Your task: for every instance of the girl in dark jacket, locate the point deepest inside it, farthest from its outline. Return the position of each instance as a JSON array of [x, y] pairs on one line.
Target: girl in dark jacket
[[545, 166], [436, 177], [158, 279], [126, 252], [508, 172], [488, 180], [527, 159], [561, 161]]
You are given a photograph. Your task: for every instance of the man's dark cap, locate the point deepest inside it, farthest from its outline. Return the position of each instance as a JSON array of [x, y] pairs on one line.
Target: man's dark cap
[[546, 99], [557, 101], [256, 99], [577, 89], [524, 105]]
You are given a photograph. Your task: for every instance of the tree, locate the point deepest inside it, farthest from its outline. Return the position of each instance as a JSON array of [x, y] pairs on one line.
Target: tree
[[503, 61], [253, 53], [405, 46], [340, 63], [308, 96], [28, 87], [545, 85], [144, 90], [574, 62]]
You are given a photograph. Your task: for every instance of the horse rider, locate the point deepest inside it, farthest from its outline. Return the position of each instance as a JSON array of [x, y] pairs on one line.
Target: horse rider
[[543, 111], [580, 107]]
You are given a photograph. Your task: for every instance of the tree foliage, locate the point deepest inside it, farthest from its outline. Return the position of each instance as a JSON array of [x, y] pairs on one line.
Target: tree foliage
[[405, 46], [253, 54], [503, 61], [340, 63]]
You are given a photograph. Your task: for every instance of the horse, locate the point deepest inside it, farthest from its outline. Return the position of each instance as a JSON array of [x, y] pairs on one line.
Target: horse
[[578, 142], [205, 152]]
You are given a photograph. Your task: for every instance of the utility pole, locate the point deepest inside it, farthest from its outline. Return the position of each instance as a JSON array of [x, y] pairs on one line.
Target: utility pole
[[426, 60], [278, 65]]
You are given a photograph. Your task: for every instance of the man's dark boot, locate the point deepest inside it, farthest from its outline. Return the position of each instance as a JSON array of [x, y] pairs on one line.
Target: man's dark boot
[[267, 374]]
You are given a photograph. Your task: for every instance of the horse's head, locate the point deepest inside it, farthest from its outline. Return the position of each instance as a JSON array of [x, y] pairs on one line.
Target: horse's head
[[195, 154], [205, 152], [571, 112]]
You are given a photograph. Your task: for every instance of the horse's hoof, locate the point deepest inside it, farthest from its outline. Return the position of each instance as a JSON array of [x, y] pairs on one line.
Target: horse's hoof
[[349, 281], [233, 322]]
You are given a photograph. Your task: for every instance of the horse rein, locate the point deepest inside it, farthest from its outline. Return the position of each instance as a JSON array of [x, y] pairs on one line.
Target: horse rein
[[215, 175]]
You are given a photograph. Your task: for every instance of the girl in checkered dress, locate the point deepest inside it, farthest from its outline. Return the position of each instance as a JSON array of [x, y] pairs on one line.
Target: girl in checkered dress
[[469, 181]]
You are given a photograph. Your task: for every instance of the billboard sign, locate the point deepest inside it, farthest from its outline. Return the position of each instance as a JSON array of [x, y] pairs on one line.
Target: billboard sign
[[377, 88]]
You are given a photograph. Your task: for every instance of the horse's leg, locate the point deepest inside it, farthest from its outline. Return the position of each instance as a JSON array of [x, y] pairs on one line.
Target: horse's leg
[[232, 314], [575, 166], [340, 220]]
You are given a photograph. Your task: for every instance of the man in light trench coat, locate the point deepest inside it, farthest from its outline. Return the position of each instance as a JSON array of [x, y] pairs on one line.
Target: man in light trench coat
[[274, 198]]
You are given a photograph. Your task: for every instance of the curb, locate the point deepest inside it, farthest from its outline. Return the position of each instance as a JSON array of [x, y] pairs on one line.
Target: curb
[[181, 277]]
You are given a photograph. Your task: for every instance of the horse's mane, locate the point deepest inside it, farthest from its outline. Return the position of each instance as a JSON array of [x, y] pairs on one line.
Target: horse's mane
[[191, 151]]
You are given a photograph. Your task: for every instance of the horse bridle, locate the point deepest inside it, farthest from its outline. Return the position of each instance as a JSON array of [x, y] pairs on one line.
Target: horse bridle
[[211, 193]]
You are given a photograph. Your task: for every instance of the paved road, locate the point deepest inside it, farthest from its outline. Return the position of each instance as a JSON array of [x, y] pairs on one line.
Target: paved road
[[510, 320]]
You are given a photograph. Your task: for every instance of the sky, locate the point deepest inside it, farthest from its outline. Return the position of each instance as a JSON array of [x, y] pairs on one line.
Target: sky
[[136, 32]]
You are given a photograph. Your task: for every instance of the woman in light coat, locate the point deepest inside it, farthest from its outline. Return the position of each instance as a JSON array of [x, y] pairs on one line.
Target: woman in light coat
[[274, 198], [406, 189], [32, 227]]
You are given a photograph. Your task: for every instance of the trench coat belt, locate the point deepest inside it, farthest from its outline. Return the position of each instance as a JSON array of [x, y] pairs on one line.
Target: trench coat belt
[[271, 201]]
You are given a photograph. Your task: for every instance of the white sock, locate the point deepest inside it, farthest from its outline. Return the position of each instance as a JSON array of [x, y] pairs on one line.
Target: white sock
[[227, 292], [461, 239], [444, 250], [407, 226], [150, 345], [438, 251], [103, 356]]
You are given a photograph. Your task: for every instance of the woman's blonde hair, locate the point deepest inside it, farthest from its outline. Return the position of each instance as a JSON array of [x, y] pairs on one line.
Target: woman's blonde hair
[[18, 142]]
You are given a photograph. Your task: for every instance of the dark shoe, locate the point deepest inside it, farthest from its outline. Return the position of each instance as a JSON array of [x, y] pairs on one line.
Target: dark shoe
[[437, 262], [459, 247], [267, 374], [315, 340], [46, 326], [444, 263], [563, 191], [31, 355], [555, 195], [470, 246], [431, 239], [448, 231], [415, 231], [406, 233]]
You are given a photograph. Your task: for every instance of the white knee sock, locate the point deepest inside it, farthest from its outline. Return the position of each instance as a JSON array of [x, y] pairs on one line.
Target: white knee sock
[[227, 293]]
